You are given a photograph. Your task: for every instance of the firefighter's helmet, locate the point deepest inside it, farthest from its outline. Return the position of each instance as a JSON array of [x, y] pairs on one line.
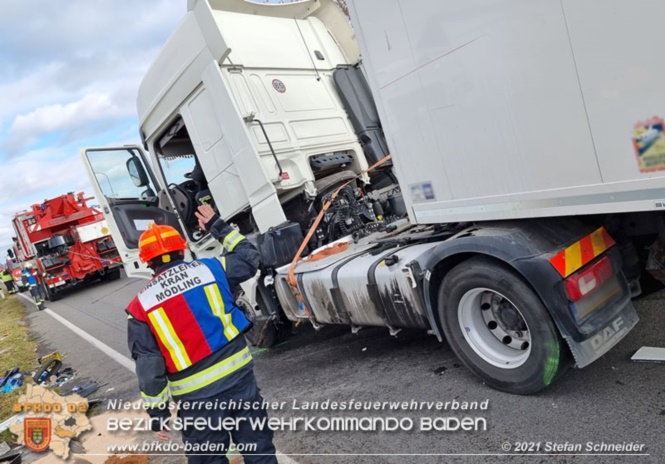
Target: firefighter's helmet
[[159, 240]]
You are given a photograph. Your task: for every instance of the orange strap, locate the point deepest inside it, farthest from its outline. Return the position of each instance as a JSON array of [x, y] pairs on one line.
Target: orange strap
[[296, 258], [329, 251]]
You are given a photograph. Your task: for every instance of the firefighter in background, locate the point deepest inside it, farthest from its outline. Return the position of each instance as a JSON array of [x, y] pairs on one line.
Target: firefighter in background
[[8, 280], [185, 333], [32, 280]]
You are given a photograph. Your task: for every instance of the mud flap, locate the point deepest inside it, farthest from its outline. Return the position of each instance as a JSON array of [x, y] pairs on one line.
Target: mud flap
[[587, 351]]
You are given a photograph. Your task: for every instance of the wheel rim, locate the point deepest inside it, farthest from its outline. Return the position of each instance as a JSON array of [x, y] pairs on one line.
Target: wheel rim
[[494, 328]]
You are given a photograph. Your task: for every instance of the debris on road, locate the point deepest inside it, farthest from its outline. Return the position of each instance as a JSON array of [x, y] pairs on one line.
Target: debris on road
[[65, 376], [12, 383], [10, 453], [50, 365], [85, 389]]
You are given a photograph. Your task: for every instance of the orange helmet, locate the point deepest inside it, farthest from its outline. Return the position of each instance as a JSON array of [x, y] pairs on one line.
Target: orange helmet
[[159, 240]]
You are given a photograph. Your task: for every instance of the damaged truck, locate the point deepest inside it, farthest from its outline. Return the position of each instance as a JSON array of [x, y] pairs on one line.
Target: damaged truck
[[488, 172]]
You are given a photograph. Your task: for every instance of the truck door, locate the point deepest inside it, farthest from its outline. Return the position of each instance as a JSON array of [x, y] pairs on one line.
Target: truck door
[[128, 194]]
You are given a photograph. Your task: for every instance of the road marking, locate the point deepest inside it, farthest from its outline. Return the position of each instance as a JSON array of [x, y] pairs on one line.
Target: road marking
[[121, 359]]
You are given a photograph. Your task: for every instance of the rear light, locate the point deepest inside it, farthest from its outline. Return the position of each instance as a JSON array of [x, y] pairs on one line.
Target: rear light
[[589, 279]]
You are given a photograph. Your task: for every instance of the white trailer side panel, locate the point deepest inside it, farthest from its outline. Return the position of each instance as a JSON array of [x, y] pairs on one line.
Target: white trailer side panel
[[499, 109], [621, 75]]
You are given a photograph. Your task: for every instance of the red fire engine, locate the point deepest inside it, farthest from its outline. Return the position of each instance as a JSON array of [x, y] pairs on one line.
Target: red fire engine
[[69, 241]]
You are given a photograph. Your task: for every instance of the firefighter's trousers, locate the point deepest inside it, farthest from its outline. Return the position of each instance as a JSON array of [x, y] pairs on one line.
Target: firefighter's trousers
[[245, 392], [37, 293]]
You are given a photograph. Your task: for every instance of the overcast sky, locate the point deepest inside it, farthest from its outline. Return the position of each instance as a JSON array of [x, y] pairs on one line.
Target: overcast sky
[[69, 73]]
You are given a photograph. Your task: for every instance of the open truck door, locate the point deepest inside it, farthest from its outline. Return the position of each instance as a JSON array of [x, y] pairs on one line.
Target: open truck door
[[130, 198]]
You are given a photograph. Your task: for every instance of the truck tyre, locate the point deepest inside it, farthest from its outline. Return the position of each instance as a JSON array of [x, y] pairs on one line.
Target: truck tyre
[[51, 295], [113, 274], [499, 328]]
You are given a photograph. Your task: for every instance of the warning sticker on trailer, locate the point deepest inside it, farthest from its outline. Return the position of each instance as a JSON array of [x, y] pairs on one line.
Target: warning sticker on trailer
[[649, 142]]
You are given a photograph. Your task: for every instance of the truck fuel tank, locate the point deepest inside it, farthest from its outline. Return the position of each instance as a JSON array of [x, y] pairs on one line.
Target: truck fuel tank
[[368, 285]]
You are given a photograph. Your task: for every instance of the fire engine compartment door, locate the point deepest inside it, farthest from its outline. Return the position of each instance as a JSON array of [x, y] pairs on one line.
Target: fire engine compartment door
[[127, 193]]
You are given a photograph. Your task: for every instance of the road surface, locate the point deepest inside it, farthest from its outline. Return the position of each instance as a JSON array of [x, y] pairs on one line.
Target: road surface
[[613, 401]]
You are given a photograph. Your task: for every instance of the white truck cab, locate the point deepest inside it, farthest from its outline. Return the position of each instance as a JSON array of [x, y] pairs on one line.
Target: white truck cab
[[262, 118]]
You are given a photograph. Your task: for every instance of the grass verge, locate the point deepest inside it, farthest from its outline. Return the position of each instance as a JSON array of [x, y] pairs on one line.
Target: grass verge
[[17, 348]]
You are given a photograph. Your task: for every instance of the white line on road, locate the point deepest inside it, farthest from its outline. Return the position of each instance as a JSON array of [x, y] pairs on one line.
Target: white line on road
[[124, 361]]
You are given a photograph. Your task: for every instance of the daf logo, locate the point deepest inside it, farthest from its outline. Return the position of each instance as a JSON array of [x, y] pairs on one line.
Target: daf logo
[[606, 334], [279, 86]]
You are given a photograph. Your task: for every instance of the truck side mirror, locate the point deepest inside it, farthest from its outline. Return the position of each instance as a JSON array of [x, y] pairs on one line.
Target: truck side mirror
[[136, 172], [10, 253]]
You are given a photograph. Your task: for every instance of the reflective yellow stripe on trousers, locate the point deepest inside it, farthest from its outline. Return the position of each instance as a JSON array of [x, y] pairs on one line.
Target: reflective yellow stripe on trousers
[[217, 304], [211, 374], [169, 338]]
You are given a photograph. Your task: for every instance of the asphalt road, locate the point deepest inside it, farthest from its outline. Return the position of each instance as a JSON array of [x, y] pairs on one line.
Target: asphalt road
[[612, 401]]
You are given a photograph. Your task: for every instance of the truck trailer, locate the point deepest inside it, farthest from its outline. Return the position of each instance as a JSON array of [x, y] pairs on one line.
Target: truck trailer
[[69, 242], [490, 172]]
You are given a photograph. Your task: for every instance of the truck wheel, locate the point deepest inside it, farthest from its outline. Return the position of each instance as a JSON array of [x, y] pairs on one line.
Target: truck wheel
[[112, 275], [499, 328], [51, 295]]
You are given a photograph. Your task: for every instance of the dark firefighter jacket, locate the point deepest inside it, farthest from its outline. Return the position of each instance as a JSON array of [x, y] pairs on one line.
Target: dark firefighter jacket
[[158, 379]]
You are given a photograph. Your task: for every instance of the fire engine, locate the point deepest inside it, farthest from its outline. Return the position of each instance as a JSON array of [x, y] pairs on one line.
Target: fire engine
[[69, 241]]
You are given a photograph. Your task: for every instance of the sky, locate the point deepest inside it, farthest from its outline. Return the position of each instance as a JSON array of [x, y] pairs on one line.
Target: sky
[[69, 73]]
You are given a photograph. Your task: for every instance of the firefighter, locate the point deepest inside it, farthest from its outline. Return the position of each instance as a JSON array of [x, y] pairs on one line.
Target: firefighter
[[185, 333], [32, 280], [8, 280]]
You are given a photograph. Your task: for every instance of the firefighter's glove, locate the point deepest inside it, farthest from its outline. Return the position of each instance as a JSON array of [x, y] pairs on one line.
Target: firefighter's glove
[[206, 216]]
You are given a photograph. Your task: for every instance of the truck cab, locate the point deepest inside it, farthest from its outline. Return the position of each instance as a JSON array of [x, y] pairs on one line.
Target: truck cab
[[264, 129]]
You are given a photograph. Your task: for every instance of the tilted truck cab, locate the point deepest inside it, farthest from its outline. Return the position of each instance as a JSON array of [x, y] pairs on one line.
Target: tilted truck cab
[[479, 229]]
